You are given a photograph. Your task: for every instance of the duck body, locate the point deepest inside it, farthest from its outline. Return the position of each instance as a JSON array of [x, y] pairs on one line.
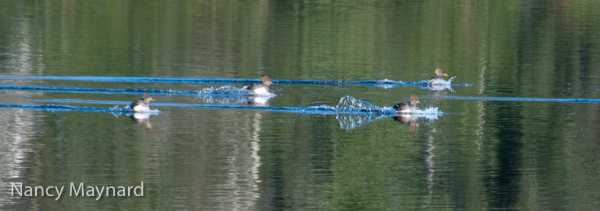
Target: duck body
[[260, 88], [143, 104], [408, 106], [404, 108], [439, 78]]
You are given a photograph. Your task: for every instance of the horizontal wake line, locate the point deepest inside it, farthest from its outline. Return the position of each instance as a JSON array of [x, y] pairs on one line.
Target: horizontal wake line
[[218, 80], [101, 91], [307, 110], [525, 99], [60, 108], [184, 92]]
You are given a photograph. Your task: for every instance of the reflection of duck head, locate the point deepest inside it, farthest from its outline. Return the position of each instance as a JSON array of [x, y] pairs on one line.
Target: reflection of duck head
[[407, 119], [142, 119], [258, 101], [408, 106], [261, 88], [142, 104]]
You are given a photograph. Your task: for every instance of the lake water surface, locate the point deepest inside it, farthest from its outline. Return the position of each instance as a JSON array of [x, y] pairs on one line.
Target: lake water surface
[[517, 129]]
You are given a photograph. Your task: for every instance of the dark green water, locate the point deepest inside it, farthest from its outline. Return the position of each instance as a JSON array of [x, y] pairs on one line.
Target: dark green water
[[479, 155]]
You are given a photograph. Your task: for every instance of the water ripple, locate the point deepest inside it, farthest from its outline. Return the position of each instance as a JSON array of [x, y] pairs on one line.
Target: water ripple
[[386, 83], [529, 99], [61, 108], [359, 107], [101, 91]]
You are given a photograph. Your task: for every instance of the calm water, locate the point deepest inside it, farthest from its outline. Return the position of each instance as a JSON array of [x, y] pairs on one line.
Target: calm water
[[514, 132]]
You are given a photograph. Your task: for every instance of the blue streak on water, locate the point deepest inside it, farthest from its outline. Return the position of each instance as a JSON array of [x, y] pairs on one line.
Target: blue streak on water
[[347, 105], [565, 100], [307, 110], [101, 91], [63, 108], [350, 112], [381, 83]]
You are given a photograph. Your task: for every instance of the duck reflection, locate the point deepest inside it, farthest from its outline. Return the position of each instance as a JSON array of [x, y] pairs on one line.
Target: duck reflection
[[438, 91], [142, 119], [408, 119], [258, 101]]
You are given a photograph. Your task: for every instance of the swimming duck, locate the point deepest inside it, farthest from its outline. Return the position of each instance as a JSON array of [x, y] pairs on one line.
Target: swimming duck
[[261, 88], [408, 106], [438, 79], [439, 74], [142, 104]]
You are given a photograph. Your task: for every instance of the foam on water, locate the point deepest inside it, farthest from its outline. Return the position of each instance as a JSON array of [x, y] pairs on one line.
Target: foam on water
[[350, 103], [223, 90], [440, 81], [429, 113], [231, 90]]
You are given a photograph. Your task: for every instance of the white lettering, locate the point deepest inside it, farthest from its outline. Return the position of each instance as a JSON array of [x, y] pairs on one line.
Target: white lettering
[[99, 192], [28, 189], [77, 191], [141, 187], [18, 189], [108, 189], [59, 192], [90, 191], [121, 191], [47, 193], [41, 188]]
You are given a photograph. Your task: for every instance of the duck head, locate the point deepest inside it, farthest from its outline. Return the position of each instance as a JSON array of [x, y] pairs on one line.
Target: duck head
[[440, 73], [414, 100], [267, 81], [147, 97]]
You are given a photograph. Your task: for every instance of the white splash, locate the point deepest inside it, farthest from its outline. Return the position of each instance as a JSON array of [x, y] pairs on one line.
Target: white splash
[[440, 84], [127, 109], [429, 113], [350, 103], [231, 90]]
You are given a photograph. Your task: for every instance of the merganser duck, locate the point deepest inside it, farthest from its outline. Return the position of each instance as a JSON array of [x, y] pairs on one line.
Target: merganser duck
[[439, 74], [408, 106], [439, 78], [260, 88], [142, 104]]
